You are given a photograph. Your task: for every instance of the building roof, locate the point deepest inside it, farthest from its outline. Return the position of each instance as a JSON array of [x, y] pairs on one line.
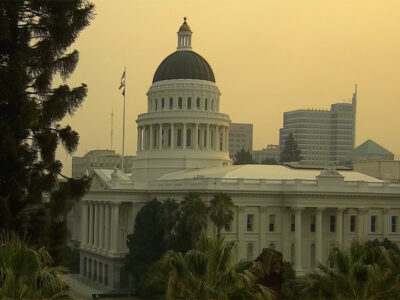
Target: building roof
[[369, 147], [184, 65], [269, 172]]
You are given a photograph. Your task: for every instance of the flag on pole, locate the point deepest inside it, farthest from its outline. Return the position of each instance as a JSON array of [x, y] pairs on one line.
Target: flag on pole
[[122, 86]]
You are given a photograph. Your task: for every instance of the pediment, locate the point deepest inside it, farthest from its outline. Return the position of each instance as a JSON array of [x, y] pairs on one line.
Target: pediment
[[98, 184]]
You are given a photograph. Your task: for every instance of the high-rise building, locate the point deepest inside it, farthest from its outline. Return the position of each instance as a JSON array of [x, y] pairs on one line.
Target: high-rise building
[[323, 136], [240, 137]]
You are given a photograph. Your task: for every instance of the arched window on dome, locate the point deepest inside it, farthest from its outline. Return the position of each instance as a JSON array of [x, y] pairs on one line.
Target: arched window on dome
[[180, 102], [171, 103], [156, 104], [212, 104], [198, 103], [169, 137], [179, 137], [162, 103], [189, 103], [188, 137], [206, 104]]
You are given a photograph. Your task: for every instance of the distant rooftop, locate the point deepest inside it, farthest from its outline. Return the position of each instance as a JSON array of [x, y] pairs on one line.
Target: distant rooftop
[[369, 147]]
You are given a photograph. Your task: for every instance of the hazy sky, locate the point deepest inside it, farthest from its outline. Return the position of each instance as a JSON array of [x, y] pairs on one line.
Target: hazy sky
[[268, 57]]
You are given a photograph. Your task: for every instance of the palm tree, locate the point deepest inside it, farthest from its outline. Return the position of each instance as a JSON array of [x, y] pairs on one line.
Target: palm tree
[[361, 272], [194, 215], [208, 272], [27, 273], [221, 212]]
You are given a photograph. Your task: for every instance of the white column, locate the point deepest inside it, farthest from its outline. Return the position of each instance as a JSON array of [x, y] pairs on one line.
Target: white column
[[263, 228], [201, 144], [160, 141], [184, 135], [360, 224], [318, 235], [114, 227], [339, 227], [138, 139], [84, 224], [196, 136], [208, 137], [386, 222], [102, 224], [226, 139], [96, 224], [297, 241], [172, 135], [151, 137], [91, 220], [241, 223], [367, 220], [216, 142], [107, 227]]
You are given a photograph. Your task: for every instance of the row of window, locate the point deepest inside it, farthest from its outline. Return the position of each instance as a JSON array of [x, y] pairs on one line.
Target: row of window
[[332, 223], [161, 104]]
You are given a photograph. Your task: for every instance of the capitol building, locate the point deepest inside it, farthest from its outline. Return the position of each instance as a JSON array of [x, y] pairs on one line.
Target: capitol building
[[183, 145]]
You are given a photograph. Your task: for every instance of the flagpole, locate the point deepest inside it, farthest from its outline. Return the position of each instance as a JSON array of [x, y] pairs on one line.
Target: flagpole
[[112, 128], [123, 126]]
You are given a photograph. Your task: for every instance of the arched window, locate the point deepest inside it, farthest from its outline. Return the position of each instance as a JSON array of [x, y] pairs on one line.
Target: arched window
[[171, 103], [162, 103], [180, 102], [212, 105], [198, 103], [188, 137], [169, 137], [312, 255], [189, 103], [206, 104], [179, 137], [250, 249], [156, 104]]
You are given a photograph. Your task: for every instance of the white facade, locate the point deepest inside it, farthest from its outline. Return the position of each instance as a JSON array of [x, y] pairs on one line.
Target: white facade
[[240, 137], [184, 148]]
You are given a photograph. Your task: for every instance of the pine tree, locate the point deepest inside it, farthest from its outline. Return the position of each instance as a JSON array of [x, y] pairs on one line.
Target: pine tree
[[35, 37], [290, 151], [243, 157]]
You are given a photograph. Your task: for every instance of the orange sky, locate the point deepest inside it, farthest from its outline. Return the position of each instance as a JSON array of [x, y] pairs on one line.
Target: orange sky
[[268, 57]]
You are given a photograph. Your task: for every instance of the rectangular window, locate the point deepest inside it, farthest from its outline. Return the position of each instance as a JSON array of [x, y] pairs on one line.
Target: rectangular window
[[171, 103], [189, 103], [228, 227], [332, 223], [292, 223], [250, 222], [162, 103], [394, 224], [198, 102], [373, 223], [180, 102], [271, 225], [312, 224], [352, 223]]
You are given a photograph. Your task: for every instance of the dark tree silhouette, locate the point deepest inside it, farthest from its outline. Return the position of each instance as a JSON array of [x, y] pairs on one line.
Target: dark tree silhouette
[[290, 151], [243, 157], [35, 37]]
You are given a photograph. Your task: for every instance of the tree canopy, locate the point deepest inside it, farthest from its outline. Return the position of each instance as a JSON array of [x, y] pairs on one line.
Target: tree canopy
[[290, 151], [35, 41], [221, 211], [243, 157]]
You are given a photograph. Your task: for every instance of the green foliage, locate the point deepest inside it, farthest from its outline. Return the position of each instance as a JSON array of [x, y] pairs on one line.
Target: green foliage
[[208, 272], [27, 273], [243, 157], [269, 161], [35, 42], [221, 211], [146, 244], [290, 151], [364, 271], [71, 260]]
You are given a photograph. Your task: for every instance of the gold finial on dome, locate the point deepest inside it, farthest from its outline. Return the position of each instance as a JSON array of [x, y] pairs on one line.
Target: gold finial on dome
[[184, 26]]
